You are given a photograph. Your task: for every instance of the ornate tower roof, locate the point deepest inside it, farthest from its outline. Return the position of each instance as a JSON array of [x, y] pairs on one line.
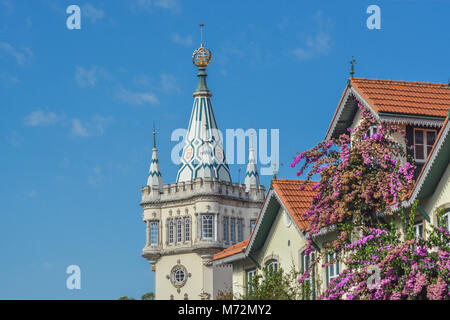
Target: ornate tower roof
[[251, 174], [154, 174], [203, 134]]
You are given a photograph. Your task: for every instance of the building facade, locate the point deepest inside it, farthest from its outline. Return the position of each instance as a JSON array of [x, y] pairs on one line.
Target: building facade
[[203, 212], [279, 238]]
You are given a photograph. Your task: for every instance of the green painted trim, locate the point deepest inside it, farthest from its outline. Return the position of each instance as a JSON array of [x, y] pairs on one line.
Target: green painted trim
[[254, 261], [404, 115], [315, 246], [423, 213]]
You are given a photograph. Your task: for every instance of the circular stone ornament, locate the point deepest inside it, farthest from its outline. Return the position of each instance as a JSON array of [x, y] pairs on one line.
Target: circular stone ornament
[[178, 276]]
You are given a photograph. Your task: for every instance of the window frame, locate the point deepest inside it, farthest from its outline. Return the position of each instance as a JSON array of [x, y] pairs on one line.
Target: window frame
[[424, 144], [203, 221], [170, 230], [187, 229], [416, 228], [312, 277], [226, 227], [272, 262], [179, 226], [249, 275], [233, 230], [153, 232], [329, 257], [240, 230]]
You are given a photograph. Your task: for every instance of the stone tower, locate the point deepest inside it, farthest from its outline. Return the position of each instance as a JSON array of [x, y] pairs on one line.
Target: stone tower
[[203, 212]]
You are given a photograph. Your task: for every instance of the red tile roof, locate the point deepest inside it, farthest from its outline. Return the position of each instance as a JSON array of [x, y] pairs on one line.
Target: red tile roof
[[404, 97], [237, 248], [296, 201]]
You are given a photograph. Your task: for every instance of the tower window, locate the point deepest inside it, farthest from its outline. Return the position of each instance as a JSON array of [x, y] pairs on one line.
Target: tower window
[[187, 229], [240, 230], [225, 229], [179, 230], [179, 275], [154, 233], [233, 230], [207, 226], [170, 225]]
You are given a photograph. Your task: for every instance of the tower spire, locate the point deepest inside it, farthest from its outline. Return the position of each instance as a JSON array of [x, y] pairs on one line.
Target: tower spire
[[203, 132], [251, 174], [154, 174]]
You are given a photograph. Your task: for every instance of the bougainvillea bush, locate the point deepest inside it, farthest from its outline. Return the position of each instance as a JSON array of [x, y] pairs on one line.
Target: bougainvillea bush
[[381, 266], [364, 172]]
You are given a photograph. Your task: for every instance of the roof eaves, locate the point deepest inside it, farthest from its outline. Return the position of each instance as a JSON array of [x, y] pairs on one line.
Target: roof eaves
[[429, 163]]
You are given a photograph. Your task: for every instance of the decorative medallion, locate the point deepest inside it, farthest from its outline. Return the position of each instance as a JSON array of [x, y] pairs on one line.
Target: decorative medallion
[[178, 275], [188, 154], [219, 153]]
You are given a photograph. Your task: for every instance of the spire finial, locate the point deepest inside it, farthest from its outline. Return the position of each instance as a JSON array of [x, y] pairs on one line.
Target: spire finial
[[201, 34], [154, 135], [352, 68], [202, 56]]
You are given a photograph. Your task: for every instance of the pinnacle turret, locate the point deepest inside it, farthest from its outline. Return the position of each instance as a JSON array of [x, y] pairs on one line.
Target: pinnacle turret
[[251, 174], [154, 174]]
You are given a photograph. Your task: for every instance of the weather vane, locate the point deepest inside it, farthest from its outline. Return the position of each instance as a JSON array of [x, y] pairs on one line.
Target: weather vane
[[352, 69], [202, 56]]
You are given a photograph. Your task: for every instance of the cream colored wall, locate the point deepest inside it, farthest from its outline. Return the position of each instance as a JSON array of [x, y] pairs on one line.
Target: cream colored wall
[[194, 284], [440, 199], [208, 278], [276, 246]]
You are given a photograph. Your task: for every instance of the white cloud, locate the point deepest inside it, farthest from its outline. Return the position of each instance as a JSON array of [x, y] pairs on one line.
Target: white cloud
[[40, 118], [78, 129], [184, 41], [89, 77], [96, 177], [148, 5], [167, 83], [318, 43], [92, 13], [21, 56], [96, 126], [15, 139], [7, 4], [137, 98], [31, 194]]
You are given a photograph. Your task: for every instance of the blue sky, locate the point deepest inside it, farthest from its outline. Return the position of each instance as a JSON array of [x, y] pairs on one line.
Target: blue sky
[[77, 108]]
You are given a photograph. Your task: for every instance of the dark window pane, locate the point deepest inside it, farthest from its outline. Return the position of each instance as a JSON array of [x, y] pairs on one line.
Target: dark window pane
[[418, 137], [431, 136], [419, 152]]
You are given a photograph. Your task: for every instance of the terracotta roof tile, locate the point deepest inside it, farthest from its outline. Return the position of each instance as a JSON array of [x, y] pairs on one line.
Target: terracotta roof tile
[[295, 200], [237, 248], [405, 97]]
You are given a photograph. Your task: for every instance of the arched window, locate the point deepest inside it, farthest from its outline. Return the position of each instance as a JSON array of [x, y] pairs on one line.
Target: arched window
[[272, 265]]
